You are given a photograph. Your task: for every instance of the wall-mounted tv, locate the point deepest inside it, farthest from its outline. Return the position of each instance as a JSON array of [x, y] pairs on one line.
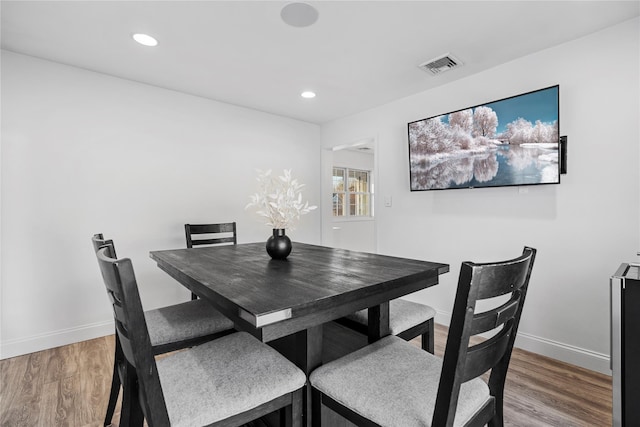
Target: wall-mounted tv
[[512, 141]]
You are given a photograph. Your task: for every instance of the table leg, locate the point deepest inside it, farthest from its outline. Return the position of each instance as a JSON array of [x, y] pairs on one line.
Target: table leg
[[308, 356], [378, 322]]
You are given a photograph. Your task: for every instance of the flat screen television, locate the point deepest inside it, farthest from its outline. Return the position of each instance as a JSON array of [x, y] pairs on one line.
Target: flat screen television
[[510, 142]]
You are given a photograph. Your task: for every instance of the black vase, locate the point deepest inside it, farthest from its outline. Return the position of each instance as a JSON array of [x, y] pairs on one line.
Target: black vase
[[278, 245]]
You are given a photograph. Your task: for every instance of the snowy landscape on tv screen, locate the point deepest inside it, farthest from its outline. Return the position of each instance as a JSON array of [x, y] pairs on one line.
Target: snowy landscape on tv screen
[[513, 141]]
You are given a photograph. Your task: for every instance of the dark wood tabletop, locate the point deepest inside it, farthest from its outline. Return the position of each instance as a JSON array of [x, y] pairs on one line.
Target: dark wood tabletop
[[289, 300], [314, 284]]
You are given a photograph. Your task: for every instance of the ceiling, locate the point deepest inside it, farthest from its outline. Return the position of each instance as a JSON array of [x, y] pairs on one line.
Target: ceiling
[[358, 55]]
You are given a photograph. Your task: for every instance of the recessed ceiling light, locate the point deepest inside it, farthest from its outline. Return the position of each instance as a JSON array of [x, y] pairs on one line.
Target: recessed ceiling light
[[299, 14], [308, 94], [145, 39]]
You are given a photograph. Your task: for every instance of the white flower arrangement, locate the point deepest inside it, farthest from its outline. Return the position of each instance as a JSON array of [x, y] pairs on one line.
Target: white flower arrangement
[[279, 199]]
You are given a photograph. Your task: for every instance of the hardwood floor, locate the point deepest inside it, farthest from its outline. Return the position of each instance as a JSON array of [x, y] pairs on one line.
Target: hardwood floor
[[64, 386], [69, 386]]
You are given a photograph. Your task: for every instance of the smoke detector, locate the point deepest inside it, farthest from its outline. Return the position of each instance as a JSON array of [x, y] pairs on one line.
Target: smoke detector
[[440, 64]]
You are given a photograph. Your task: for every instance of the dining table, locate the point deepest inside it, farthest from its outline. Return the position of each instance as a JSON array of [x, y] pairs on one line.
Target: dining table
[[291, 299]]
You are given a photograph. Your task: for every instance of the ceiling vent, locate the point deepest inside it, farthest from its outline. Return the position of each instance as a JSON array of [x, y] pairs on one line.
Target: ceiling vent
[[440, 64]]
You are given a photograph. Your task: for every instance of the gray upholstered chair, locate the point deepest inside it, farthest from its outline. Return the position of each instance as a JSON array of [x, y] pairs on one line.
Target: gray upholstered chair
[[407, 320], [170, 328], [392, 383], [228, 381], [210, 234]]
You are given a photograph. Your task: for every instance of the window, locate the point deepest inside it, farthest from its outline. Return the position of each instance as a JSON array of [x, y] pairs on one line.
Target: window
[[352, 192]]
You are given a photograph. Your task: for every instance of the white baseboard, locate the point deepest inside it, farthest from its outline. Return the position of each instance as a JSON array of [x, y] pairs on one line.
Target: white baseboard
[[567, 353], [18, 347], [584, 358]]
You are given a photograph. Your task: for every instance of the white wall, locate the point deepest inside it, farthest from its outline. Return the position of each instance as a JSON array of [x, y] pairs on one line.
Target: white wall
[[84, 153], [583, 228]]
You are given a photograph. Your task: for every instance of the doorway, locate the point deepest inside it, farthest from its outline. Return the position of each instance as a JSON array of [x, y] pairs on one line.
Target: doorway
[[348, 189]]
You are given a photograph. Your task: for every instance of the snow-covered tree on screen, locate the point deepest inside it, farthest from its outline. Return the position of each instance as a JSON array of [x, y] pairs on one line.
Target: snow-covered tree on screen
[[485, 122], [461, 139], [540, 132], [522, 131], [519, 131], [430, 136], [462, 120]]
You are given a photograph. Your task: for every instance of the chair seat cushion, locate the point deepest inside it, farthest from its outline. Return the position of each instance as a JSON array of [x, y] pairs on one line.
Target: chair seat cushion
[[224, 377], [188, 320], [403, 315], [393, 383]]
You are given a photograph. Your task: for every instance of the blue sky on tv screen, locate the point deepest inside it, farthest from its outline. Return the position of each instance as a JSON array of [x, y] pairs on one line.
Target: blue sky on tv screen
[[540, 105]]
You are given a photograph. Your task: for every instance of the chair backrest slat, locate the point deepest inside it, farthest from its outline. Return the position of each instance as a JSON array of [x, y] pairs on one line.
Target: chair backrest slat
[[226, 228], [484, 356], [492, 280], [215, 241], [491, 319], [461, 362]]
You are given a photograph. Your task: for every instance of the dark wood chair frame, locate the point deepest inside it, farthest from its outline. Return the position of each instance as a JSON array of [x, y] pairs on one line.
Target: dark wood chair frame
[[143, 379], [424, 330], [462, 362], [191, 230], [123, 373]]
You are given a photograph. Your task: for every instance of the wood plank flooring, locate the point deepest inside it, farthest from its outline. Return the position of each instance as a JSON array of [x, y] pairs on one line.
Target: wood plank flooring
[[69, 386], [64, 386]]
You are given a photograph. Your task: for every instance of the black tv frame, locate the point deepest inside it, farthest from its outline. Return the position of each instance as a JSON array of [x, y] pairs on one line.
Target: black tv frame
[[561, 146]]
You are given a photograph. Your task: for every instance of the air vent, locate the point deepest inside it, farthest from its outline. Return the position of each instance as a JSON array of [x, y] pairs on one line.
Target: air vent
[[440, 64]]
